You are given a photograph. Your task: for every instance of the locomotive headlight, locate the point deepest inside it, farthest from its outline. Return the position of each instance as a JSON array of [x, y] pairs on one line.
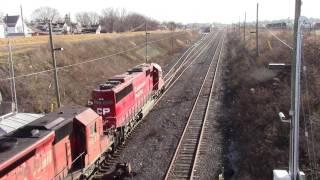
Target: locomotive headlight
[[90, 103]]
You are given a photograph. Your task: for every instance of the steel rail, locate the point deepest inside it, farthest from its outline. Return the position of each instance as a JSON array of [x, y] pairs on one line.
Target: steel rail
[[205, 125], [197, 53], [191, 48], [193, 57], [182, 161], [177, 78]]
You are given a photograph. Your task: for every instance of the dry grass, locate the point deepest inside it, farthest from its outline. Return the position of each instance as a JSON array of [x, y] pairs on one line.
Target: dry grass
[[257, 94], [36, 93], [36, 40]]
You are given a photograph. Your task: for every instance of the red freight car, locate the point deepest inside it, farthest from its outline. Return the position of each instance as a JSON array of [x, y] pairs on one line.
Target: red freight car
[[122, 99], [54, 146]]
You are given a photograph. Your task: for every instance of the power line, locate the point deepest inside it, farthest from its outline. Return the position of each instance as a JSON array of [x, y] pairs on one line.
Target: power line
[[135, 28], [87, 61], [282, 41]]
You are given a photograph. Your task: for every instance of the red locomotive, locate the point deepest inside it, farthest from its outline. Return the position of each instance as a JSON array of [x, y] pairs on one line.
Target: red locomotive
[[71, 141], [123, 99]]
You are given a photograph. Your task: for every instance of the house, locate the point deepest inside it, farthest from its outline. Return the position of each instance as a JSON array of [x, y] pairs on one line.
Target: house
[[96, 29], [61, 28], [2, 35], [316, 26], [15, 27], [76, 28], [281, 25]]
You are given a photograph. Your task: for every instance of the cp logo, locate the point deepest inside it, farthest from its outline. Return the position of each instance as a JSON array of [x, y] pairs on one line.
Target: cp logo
[[103, 111]]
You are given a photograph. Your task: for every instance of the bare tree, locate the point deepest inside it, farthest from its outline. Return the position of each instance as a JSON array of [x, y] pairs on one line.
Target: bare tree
[[88, 18], [108, 19], [172, 25], [45, 14], [120, 25], [134, 21], [1, 17]]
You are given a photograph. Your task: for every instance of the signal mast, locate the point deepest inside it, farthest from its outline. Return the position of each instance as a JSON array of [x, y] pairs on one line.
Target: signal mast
[[294, 173]]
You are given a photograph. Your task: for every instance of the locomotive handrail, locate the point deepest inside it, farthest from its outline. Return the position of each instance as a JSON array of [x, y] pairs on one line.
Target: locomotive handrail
[[80, 156]]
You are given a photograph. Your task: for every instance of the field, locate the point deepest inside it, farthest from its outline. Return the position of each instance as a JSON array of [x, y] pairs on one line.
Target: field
[[35, 40], [97, 57]]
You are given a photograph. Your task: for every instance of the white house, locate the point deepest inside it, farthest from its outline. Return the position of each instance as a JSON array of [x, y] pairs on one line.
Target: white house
[[2, 35], [94, 29], [15, 27]]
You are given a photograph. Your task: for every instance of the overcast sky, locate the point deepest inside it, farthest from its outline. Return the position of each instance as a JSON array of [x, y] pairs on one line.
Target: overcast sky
[[185, 11]]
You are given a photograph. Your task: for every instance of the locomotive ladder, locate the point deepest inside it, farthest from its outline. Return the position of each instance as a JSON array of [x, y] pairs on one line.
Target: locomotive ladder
[[184, 159]]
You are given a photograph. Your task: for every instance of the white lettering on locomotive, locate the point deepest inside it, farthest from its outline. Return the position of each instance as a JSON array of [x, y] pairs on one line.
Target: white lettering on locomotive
[[139, 93], [136, 89], [103, 111], [139, 90]]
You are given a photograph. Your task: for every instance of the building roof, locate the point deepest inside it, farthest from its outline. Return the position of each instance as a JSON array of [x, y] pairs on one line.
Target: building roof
[[11, 122], [11, 21]]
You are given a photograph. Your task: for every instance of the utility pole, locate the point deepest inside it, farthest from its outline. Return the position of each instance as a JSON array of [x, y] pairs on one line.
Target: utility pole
[[295, 96], [22, 21], [13, 81], [257, 32], [294, 173], [54, 66], [239, 27], [244, 26], [146, 42], [147, 33], [172, 43], [70, 23]]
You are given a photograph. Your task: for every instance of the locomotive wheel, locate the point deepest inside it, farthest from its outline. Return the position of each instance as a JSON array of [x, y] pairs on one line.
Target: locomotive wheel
[[116, 142], [122, 135], [83, 177]]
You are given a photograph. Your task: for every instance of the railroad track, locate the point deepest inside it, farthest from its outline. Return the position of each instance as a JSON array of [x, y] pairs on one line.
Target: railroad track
[[188, 152], [107, 166]]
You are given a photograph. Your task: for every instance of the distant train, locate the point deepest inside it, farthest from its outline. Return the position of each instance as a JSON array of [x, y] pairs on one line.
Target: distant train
[[281, 25], [74, 140]]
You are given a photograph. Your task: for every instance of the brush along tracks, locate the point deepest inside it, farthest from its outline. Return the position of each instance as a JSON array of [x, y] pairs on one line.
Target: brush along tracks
[[188, 152]]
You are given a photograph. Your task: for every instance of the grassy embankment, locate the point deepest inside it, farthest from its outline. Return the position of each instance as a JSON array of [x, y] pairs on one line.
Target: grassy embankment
[[36, 93]]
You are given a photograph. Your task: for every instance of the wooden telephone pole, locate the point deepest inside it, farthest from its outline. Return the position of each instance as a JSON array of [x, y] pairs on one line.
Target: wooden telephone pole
[[54, 62], [244, 26], [257, 32]]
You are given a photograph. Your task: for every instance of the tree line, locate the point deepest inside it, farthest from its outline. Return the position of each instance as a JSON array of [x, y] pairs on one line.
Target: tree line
[[110, 19]]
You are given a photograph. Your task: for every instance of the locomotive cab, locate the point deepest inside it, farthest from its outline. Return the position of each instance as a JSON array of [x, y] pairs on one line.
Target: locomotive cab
[[158, 82], [103, 101], [89, 131]]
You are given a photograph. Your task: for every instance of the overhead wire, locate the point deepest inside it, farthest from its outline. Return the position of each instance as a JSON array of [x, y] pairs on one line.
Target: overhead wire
[[135, 28], [89, 60], [282, 41]]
